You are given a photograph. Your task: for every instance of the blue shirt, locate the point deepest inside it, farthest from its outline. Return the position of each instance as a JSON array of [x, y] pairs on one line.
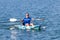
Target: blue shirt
[[26, 20]]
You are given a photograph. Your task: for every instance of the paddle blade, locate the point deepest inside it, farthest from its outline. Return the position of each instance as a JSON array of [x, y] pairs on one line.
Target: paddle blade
[[12, 20]]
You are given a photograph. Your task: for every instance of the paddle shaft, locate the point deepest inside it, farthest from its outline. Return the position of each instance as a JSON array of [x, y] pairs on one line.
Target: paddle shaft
[[16, 20]]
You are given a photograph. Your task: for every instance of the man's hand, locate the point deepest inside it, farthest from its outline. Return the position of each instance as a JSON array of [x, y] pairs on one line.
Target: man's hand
[[33, 19]]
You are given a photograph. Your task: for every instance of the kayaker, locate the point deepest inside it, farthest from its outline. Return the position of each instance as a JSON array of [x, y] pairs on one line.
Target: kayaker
[[27, 20]]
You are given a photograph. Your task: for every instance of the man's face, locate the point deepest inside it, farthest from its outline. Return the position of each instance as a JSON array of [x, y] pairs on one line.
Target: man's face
[[27, 15]]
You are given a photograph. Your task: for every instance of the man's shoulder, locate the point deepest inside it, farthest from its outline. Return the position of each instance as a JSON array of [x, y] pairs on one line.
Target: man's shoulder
[[29, 17]]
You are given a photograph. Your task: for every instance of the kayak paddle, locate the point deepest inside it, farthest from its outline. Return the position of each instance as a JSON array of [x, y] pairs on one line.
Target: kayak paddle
[[14, 19]]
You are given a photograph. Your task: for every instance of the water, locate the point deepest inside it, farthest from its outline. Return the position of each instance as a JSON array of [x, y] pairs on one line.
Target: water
[[47, 9]]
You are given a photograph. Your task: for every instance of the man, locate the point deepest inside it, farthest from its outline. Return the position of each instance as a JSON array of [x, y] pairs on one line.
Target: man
[[27, 20]]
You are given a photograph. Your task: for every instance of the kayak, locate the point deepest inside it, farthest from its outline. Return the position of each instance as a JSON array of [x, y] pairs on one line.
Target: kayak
[[27, 27]]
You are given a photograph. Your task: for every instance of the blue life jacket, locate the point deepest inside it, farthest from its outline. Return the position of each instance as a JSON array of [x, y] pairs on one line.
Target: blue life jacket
[[26, 20]]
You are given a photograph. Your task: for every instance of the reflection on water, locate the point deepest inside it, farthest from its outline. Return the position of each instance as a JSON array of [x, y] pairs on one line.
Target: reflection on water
[[13, 35]]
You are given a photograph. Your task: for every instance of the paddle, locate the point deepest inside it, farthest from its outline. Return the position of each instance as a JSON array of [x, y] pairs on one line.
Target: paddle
[[14, 19]]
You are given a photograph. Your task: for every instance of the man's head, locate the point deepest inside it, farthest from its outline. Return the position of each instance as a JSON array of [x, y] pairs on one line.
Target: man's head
[[27, 15]]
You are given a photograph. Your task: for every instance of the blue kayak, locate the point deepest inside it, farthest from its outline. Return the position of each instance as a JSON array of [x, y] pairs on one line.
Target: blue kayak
[[27, 27]]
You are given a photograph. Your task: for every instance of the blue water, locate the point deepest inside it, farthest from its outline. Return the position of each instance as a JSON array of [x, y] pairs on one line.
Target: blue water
[[47, 9]]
